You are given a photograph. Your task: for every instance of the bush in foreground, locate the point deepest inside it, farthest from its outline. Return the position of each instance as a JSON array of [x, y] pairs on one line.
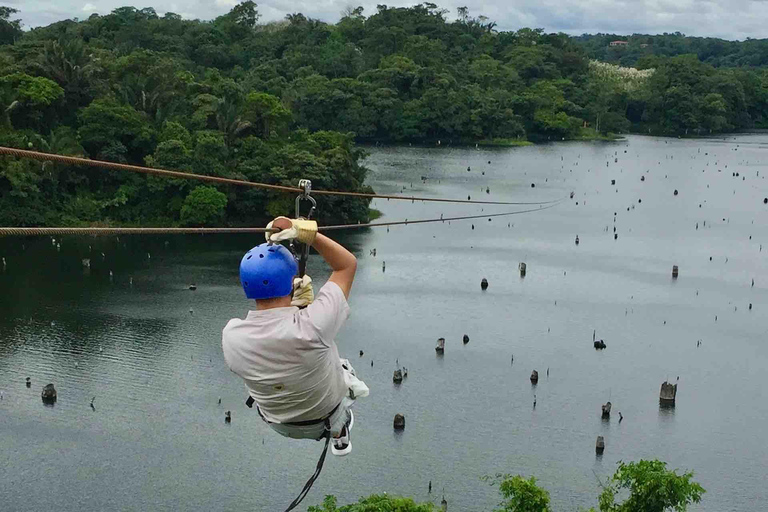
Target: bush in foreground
[[648, 486]]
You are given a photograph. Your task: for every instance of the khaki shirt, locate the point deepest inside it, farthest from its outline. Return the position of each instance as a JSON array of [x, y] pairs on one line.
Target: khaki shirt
[[288, 358]]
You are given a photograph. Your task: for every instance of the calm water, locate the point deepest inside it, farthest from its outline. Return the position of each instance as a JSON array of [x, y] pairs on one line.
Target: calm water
[[150, 352]]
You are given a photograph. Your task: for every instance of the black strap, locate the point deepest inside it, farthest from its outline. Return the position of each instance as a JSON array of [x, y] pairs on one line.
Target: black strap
[[318, 469], [326, 434], [308, 423]]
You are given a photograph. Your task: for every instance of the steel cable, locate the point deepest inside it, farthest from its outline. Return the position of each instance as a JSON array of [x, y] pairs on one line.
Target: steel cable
[[73, 160], [27, 231]]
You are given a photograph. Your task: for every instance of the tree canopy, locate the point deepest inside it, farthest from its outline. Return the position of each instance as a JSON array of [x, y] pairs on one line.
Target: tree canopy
[[648, 485], [278, 101]]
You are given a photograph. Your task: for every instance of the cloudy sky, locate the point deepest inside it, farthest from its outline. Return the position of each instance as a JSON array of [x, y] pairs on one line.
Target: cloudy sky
[[730, 19]]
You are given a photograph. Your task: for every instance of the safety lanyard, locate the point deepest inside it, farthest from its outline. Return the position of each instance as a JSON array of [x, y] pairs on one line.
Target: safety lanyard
[[303, 256], [303, 250], [319, 467]]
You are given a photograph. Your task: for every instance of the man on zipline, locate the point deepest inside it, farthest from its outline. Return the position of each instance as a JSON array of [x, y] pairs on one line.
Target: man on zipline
[[286, 354]]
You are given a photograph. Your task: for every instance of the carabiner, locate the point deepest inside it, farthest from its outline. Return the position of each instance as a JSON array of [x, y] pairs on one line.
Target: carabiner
[[306, 186]]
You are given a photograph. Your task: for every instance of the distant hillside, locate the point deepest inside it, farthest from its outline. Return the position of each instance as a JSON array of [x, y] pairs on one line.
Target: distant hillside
[[717, 52]]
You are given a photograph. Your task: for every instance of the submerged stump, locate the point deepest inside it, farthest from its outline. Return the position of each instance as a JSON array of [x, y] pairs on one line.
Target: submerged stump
[[399, 422], [534, 377], [397, 377], [607, 410], [49, 394], [667, 394], [599, 445]]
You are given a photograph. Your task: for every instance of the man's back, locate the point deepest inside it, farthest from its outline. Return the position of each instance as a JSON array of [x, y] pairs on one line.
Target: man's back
[[288, 358]]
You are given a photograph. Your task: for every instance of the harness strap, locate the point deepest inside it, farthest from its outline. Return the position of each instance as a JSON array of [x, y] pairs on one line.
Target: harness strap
[[318, 469]]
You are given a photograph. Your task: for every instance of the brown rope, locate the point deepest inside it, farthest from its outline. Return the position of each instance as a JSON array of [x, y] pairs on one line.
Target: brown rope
[[22, 231], [16, 231], [73, 160], [425, 221]]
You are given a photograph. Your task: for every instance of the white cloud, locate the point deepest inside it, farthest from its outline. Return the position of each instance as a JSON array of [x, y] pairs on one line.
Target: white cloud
[[730, 19]]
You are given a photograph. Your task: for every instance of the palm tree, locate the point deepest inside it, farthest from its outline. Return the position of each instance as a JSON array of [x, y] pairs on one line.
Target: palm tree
[[60, 141], [71, 67], [229, 121]]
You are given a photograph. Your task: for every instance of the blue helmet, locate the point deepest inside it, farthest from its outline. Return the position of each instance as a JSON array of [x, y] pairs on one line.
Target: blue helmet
[[267, 272]]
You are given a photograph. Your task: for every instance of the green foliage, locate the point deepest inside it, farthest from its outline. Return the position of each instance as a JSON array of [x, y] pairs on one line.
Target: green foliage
[[106, 125], [275, 102], [652, 488], [643, 49], [375, 503], [520, 495], [10, 30], [32, 90], [204, 206]]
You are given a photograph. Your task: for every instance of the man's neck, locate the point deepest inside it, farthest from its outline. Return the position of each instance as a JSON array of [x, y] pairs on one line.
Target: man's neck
[[277, 302]]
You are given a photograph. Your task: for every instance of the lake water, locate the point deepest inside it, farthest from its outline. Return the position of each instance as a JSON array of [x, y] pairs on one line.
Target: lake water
[[150, 351]]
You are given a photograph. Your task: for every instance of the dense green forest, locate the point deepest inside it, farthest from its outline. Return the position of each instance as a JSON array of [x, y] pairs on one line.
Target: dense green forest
[[277, 101], [714, 51]]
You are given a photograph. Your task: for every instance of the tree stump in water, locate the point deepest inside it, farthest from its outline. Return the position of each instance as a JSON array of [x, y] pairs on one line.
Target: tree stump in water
[[674, 271], [523, 268], [667, 394], [484, 284], [607, 410], [49, 394], [534, 377], [397, 377], [399, 423], [465, 339], [600, 445]]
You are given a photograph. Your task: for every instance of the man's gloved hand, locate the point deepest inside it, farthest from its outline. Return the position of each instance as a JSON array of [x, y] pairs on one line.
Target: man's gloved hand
[[303, 293], [300, 229]]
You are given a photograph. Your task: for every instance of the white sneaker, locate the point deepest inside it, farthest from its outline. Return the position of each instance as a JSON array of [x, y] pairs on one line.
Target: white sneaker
[[342, 445]]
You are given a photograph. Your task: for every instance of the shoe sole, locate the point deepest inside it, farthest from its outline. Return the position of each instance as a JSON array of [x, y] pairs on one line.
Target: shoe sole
[[348, 449], [341, 453]]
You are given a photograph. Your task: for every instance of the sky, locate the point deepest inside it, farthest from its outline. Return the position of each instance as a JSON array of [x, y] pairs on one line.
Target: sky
[[728, 19]]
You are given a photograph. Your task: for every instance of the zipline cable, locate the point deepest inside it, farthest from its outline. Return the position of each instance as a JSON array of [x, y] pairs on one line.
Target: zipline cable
[[73, 160], [25, 231]]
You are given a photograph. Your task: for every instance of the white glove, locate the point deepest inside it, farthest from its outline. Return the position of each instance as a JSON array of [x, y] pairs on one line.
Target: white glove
[[301, 229], [303, 293]]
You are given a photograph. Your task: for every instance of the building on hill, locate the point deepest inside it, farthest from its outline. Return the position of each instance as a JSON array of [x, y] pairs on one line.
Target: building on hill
[[618, 43]]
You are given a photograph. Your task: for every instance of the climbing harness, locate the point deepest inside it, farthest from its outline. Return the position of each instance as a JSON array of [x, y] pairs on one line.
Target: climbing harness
[[319, 467]]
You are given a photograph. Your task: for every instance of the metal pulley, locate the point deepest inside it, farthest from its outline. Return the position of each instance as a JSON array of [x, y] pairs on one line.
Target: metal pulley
[[305, 195]]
